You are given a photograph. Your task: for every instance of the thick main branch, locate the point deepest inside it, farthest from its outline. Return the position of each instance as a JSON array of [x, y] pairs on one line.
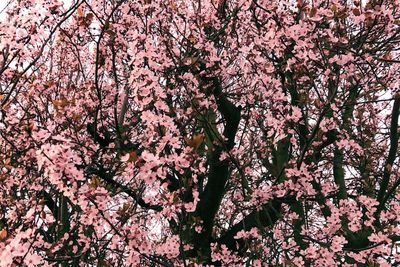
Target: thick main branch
[[394, 143], [213, 193]]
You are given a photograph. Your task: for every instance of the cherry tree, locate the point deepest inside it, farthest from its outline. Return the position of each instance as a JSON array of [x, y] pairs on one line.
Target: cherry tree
[[199, 132]]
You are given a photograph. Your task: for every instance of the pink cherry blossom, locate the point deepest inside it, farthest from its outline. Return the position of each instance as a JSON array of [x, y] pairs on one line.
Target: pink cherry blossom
[[199, 133]]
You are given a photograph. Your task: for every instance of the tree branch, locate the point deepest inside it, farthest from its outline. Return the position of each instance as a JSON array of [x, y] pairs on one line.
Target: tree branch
[[108, 178], [266, 217], [218, 173], [394, 142]]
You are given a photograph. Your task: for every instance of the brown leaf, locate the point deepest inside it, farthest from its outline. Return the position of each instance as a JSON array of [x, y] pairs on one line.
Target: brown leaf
[[94, 182], [3, 235], [196, 141], [76, 117], [7, 164], [300, 3], [60, 103], [173, 6], [133, 156], [89, 18], [193, 39], [42, 202], [124, 210], [80, 13], [7, 161], [342, 14], [86, 21], [387, 56], [356, 12], [48, 84], [313, 12], [28, 128]]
